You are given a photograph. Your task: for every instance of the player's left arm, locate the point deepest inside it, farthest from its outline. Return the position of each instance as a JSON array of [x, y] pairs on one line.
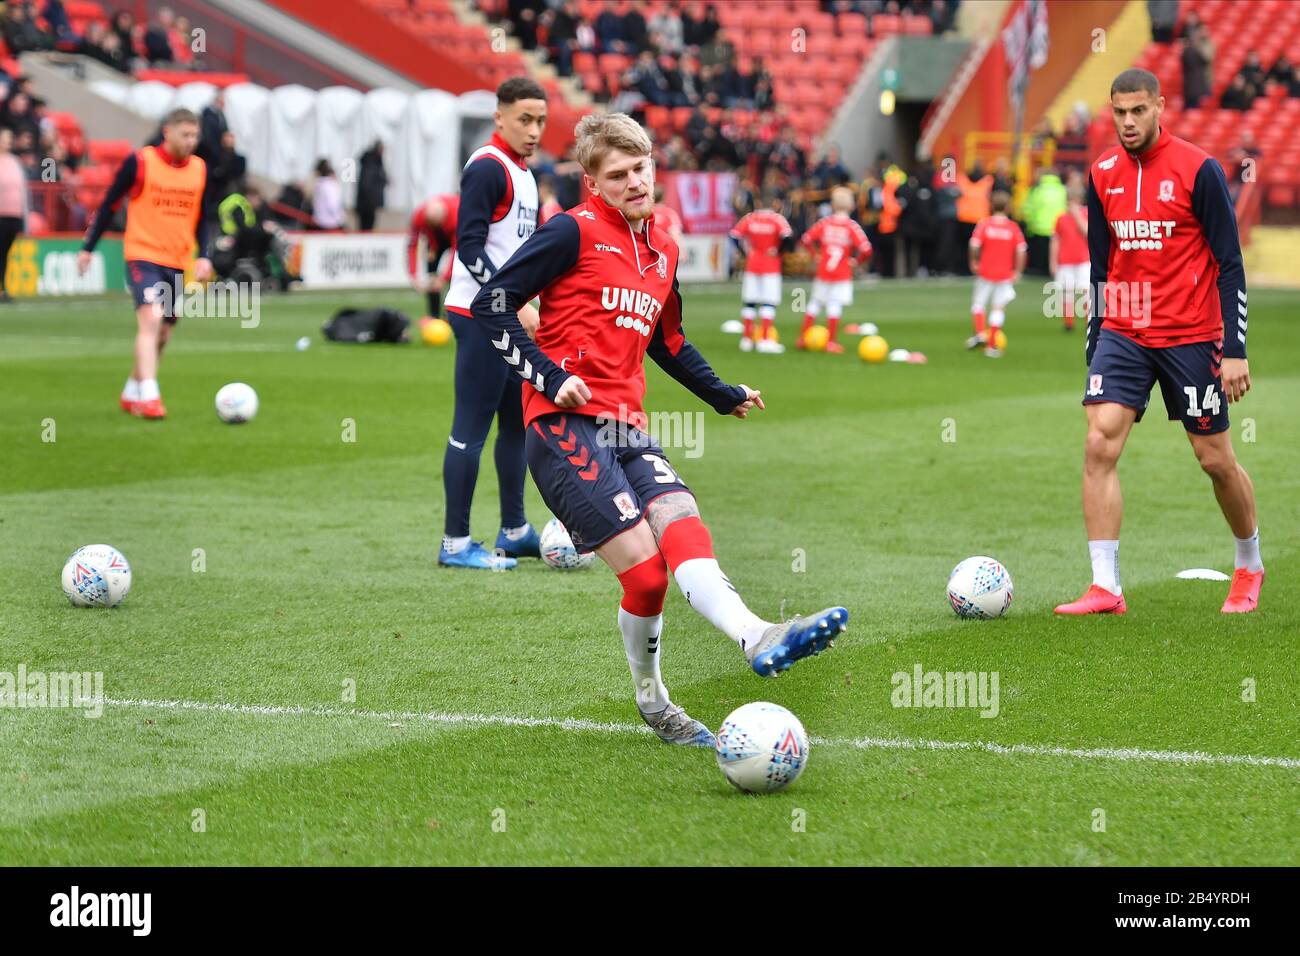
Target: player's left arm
[[683, 361], [1212, 206], [203, 232]]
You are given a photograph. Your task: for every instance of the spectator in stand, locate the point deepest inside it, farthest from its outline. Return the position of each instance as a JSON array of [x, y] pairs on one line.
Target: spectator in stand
[[19, 115], [105, 46], [1238, 95], [666, 25], [611, 31], [1253, 72], [634, 28], [1043, 206], [124, 27], [182, 43], [561, 26], [648, 80], [719, 51], [1198, 65], [327, 198], [1282, 70], [1002, 178], [13, 203], [1191, 23], [586, 39], [157, 38], [21, 34], [525, 28], [831, 171], [56, 19], [27, 153], [372, 183], [1164, 17]]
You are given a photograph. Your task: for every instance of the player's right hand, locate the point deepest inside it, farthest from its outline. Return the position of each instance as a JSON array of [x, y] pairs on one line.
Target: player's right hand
[[83, 262], [1235, 374], [574, 393]]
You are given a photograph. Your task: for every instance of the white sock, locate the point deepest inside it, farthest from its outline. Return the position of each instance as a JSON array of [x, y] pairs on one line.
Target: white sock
[[709, 592], [1248, 553], [149, 390], [455, 545], [1105, 564], [514, 534], [131, 390], [996, 318], [641, 644]]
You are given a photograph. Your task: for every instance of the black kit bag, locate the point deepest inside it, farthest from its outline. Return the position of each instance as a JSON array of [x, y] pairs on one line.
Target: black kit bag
[[367, 325]]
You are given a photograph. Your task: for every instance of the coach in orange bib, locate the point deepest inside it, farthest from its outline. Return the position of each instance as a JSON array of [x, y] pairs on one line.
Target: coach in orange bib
[[164, 223]]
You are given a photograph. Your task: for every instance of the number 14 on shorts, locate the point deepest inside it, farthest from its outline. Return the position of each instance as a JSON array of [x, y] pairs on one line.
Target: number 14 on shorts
[[1211, 401]]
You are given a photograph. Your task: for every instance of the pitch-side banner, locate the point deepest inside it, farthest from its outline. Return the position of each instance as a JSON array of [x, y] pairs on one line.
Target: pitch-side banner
[[702, 259], [371, 260], [703, 199], [48, 266]]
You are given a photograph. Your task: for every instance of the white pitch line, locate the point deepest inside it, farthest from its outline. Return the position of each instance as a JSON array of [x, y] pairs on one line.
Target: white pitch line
[[862, 743]]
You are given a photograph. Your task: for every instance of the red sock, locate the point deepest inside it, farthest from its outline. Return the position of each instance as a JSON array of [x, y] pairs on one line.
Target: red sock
[[832, 326], [808, 321], [684, 539], [749, 328], [644, 587], [767, 329], [978, 318]]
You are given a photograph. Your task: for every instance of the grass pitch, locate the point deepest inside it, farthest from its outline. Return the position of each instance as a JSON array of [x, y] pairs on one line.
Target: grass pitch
[[293, 680]]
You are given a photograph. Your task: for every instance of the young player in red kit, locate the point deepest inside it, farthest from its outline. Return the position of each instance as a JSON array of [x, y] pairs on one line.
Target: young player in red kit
[[434, 221], [997, 257], [840, 244], [607, 275], [762, 234], [669, 220], [1169, 306], [1069, 254]]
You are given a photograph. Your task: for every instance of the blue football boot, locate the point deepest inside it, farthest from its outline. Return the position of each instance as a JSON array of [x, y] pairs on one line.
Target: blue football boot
[[529, 546], [783, 644], [475, 556], [674, 726]]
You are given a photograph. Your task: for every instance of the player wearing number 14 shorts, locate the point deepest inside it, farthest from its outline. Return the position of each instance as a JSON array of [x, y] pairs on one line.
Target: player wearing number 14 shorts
[[1169, 306], [607, 276]]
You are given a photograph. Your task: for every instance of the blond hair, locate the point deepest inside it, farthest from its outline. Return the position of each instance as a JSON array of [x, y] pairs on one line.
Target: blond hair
[[842, 199], [598, 133]]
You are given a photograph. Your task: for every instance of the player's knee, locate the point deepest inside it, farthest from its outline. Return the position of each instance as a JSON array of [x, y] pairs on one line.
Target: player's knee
[[1100, 449], [1219, 463], [644, 587]]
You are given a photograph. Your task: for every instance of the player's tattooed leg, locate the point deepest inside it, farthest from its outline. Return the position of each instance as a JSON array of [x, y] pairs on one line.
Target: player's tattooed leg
[[666, 509]]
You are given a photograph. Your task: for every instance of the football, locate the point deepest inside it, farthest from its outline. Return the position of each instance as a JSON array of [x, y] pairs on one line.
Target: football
[[873, 348], [815, 339], [980, 587], [762, 748], [558, 550], [435, 332], [96, 576], [236, 403]]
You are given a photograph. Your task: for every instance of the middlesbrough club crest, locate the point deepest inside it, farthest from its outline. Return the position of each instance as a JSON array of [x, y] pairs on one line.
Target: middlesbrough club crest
[[661, 266], [1166, 193]]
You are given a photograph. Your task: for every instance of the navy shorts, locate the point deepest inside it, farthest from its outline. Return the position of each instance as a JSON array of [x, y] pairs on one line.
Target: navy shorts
[[596, 477], [151, 283], [1123, 371]]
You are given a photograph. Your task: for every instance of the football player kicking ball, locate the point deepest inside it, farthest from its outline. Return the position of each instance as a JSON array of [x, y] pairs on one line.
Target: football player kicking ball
[[840, 244], [997, 257], [607, 275], [1164, 250], [164, 223]]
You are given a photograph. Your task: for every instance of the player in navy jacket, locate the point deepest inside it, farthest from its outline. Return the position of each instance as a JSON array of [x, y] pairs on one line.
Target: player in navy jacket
[[1169, 306], [607, 275]]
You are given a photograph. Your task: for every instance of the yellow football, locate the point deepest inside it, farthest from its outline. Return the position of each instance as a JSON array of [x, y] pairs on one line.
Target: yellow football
[[873, 348]]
